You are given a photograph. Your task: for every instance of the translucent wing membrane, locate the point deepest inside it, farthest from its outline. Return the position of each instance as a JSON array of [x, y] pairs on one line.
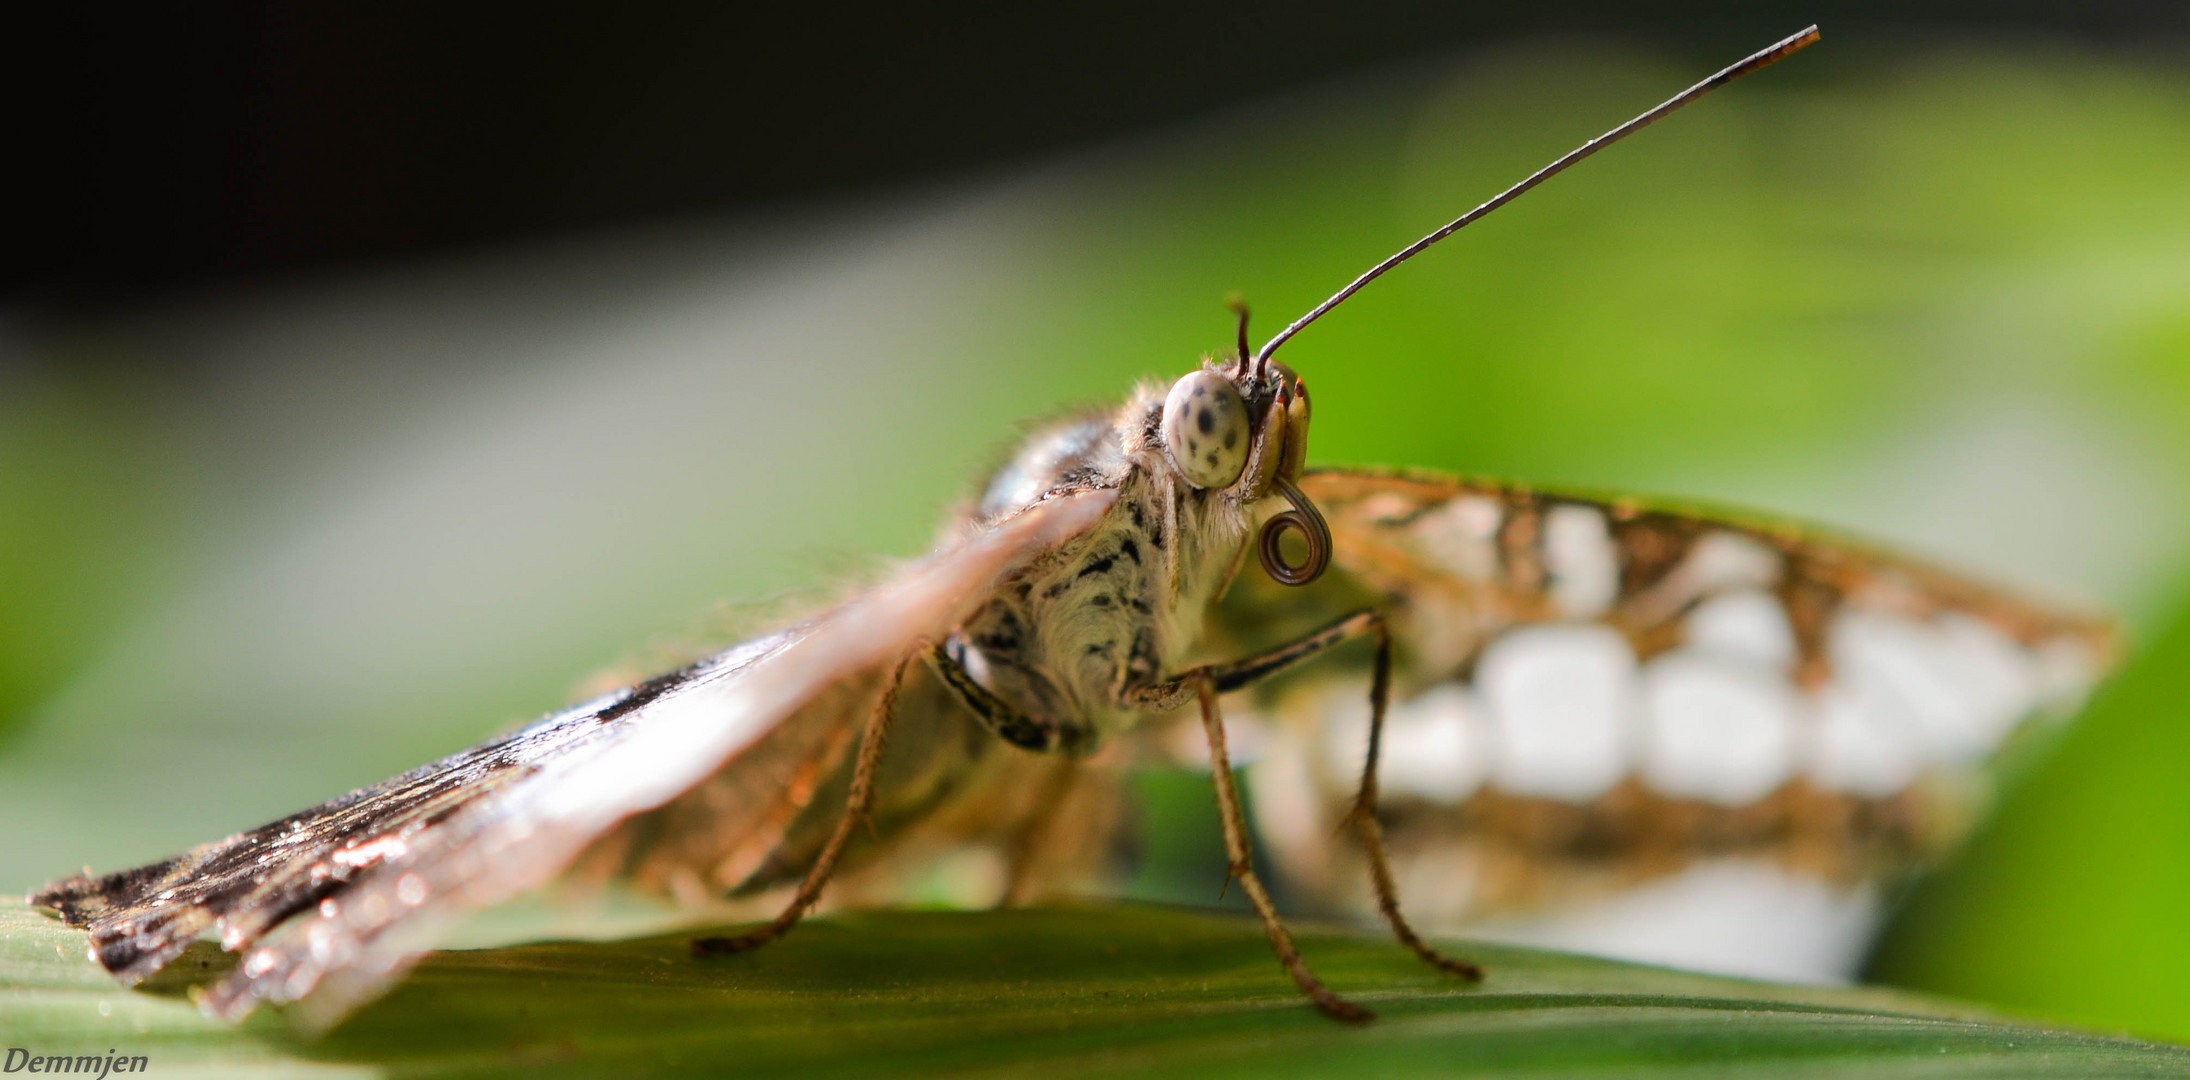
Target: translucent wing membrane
[[247, 883], [1595, 695], [334, 901]]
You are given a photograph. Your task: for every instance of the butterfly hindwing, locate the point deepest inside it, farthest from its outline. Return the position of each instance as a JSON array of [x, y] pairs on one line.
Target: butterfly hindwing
[[1595, 692]]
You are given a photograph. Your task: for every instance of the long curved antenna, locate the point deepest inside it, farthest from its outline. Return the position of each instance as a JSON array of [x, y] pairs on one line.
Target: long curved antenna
[[1760, 59]]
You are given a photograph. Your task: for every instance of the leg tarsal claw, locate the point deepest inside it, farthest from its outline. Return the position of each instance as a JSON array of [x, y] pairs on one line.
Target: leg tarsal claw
[[727, 946]]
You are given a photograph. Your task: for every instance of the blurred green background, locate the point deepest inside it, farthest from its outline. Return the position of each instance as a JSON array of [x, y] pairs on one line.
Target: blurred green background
[[271, 537]]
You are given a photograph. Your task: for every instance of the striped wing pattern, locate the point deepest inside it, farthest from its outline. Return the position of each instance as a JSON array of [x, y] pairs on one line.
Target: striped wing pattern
[[1596, 693]]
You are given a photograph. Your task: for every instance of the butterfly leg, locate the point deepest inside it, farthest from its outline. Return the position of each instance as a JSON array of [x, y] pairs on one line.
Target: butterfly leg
[[1033, 733], [1364, 820], [1242, 867], [1362, 816], [856, 806]]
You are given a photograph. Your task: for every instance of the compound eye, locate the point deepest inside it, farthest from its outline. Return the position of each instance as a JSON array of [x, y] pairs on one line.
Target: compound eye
[[1205, 429]]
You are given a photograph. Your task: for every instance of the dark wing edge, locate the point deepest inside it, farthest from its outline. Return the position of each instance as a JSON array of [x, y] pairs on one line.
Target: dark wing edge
[[329, 905]]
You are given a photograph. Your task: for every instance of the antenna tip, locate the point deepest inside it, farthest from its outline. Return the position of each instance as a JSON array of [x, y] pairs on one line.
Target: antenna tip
[[1801, 38]]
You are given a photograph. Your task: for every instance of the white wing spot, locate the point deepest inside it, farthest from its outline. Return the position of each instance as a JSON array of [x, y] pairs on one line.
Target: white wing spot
[[1717, 562], [1725, 560], [1961, 684], [1731, 916], [1288, 808], [1585, 570], [1245, 736], [1746, 624], [1559, 698], [2064, 670], [1998, 674], [1864, 745], [1716, 730], [1385, 507], [1436, 746], [1462, 536]]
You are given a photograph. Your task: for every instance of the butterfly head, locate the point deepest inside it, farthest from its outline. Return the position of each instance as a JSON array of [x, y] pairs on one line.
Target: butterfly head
[[1240, 426]]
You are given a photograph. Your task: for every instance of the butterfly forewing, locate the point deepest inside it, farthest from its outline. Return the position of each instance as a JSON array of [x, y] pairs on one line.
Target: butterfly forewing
[[1594, 693], [333, 902]]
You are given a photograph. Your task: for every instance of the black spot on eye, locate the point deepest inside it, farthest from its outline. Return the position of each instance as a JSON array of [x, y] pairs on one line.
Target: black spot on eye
[[1206, 421], [1231, 439], [1200, 390]]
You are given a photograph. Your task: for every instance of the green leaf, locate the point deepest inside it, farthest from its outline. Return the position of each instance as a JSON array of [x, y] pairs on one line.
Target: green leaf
[[1054, 992]]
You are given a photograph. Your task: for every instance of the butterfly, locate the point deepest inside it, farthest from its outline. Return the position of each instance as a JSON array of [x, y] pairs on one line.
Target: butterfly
[[1563, 694]]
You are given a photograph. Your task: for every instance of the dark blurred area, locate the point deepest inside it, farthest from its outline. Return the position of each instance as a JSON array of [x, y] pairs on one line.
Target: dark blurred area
[[185, 147]]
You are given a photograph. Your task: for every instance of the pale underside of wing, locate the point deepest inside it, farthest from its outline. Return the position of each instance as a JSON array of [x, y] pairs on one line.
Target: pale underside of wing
[[1596, 697], [331, 904]]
